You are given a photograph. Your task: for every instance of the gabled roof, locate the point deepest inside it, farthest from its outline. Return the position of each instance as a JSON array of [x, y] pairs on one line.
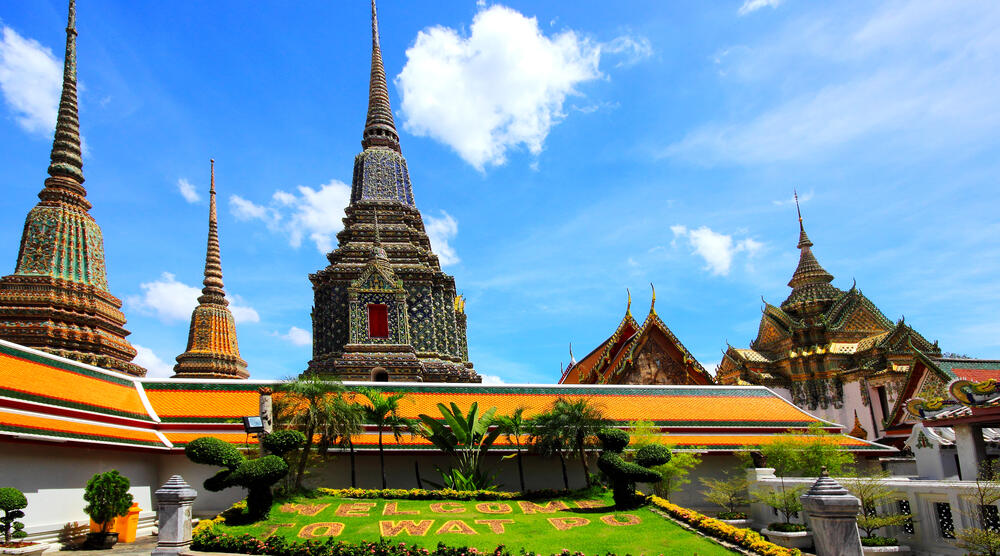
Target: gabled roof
[[584, 370]]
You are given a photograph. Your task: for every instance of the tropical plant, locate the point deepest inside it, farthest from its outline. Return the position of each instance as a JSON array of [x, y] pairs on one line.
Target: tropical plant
[[818, 450], [982, 539], [872, 492], [581, 420], [340, 432], [12, 504], [256, 475], [315, 406], [548, 439], [107, 497], [514, 426], [466, 438], [382, 410], [623, 474], [729, 493], [674, 473]]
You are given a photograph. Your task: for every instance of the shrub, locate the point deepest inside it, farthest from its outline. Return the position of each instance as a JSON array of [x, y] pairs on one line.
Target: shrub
[[730, 494], [256, 475], [622, 474], [873, 493], [745, 538], [12, 501], [107, 497], [281, 442]]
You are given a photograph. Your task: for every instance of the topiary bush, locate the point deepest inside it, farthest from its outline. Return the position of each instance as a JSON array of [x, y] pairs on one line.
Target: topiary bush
[[12, 501], [256, 475], [107, 497], [622, 474]]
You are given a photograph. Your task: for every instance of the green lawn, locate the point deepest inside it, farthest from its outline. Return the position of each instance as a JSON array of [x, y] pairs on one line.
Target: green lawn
[[589, 525]]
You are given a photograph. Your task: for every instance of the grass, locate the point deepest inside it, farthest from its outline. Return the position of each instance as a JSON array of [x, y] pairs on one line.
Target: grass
[[588, 525]]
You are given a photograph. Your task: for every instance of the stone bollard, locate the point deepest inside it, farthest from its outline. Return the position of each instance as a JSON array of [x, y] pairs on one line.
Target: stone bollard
[[833, 515], [266, 416], [173, 509]]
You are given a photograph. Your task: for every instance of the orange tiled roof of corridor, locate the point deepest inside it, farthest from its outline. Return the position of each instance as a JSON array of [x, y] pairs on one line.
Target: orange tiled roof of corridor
[[184, 401], [19, 423]]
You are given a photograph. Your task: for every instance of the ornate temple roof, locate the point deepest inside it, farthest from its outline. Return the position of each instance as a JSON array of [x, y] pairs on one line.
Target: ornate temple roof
[[380, 129], [811, 282], [44, 398], [212, 350], [58, 298]]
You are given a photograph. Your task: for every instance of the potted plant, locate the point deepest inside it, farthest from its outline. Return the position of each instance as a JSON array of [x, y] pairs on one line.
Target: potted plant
[[731, 495], [12, 504], [873, 493], [107, 497], [784, 455]]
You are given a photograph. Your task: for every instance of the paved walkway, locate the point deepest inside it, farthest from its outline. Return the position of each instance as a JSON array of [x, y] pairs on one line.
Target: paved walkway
[[141, 547]]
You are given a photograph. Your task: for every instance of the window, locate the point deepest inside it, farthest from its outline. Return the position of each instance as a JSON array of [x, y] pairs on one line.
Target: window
[[945, 524], [883, 401], [378, 321]]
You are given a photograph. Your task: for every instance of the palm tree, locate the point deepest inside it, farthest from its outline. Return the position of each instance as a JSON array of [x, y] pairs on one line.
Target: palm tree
[[548, 439], [314, 405], [350, 421], [581, 420], [382, 411], [513, 426]]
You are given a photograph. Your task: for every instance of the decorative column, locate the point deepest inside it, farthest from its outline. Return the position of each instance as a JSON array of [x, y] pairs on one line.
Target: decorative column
[[266, 416], [833, 515], [173, 509], [970, 449]]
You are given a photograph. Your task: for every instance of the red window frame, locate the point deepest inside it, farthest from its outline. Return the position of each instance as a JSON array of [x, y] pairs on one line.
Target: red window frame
[[378, 320]]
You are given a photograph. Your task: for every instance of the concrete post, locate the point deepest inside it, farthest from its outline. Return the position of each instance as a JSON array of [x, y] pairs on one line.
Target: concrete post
[[970, 449], [833, 515], [266, 416], [173, 509]]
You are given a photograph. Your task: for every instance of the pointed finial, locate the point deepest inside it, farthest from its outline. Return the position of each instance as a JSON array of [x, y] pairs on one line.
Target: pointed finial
[[628, 307], [652, 304], [380, 129], [572, 359], [66, 156], [797, 208], [214, 291]]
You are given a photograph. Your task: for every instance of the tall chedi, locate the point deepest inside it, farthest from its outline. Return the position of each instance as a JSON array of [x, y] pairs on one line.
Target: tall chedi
[[57, 300], [383, 308], [212, 351]]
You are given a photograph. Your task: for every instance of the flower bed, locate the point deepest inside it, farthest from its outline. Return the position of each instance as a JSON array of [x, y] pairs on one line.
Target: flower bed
[[745, 538], [443, 494]]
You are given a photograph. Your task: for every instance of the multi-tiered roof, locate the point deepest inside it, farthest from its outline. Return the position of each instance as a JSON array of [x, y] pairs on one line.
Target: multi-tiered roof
[[57, 299]]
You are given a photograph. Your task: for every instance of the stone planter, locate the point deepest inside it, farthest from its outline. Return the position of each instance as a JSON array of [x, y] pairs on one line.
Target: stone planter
[[797, 539], [32, 549], [741, 523], [100, 541], [898, 549]]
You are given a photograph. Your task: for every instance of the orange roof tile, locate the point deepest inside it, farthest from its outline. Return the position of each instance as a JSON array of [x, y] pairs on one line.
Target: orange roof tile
[[193, 402], [30, 425]]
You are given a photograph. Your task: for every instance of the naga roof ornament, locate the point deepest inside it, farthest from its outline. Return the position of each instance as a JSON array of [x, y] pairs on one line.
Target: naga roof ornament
[[212, 349], [58, 300]]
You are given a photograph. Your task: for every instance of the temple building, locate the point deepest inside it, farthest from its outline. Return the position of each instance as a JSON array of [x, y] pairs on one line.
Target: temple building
[[647, 353], [212, 350], [58, 300], [829, 351], [383, 309]]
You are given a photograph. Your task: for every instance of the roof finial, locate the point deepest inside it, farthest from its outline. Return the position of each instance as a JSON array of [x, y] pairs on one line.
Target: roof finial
[[797, 209], [214, 291], [380, 129], [652, 304], [66, 158], [628, 307], [572, 360]]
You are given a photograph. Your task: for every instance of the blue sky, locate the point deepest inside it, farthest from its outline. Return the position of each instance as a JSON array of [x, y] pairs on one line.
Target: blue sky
[[559, 155]]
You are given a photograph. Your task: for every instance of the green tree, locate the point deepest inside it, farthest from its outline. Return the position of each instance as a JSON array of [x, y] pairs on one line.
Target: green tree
[[624, 474], [674, 473], [782, 454], [873, 493], [548, 439], [466, 438], [514, 426], [581, 420], [821, 449], [729, 493], [382, 410], [982, 539], [107, 497], [12, 504], [340, 432], [314, 406]]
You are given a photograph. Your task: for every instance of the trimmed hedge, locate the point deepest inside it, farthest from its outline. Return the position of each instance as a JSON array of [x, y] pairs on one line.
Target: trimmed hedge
[[281, 442], [209, 450], [745, 538]]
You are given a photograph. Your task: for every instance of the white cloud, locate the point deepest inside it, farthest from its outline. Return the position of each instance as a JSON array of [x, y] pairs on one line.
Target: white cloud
[[803, 199], [906, 78], [716, 249], [491, 379], [501, 87], [188, 191], [754, 5], [155, 367], [316, 214], [31, 81], [297, 336], [633, 49], [172, 301], [441, 230]]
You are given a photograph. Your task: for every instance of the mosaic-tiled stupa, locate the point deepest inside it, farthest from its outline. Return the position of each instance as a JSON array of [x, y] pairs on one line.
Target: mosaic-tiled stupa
[[383, 309], [57, 300], [212, 350]]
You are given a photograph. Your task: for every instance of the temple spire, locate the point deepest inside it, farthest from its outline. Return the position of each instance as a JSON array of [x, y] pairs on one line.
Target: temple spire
[[66, 158], [803, 238], [811, 282], [380, 129], [214, 290]]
